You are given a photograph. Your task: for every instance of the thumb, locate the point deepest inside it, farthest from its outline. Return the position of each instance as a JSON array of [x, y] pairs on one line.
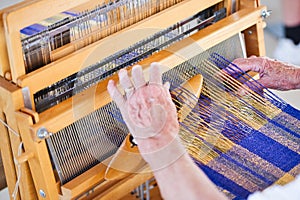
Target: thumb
[[115, 94], [167, 86]]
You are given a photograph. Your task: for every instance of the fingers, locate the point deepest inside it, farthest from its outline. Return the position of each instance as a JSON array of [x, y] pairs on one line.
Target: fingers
[[115, 94], [252, 63], [124, 79], [125, 82], [138, 81], [138, 76], [155, 73], [266, 82]]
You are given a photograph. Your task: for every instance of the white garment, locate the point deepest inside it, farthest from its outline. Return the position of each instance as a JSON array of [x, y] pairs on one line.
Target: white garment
[[290, 191]]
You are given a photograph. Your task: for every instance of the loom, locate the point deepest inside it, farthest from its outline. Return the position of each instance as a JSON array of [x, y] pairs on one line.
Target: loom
[[60, 128]]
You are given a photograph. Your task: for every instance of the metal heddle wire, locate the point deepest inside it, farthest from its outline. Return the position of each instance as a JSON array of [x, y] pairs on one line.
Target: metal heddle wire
[[243, 143]]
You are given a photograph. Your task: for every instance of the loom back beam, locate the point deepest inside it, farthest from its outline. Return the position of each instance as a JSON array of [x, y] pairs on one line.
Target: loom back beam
[[13, 24], [4, 60], [14, 21], [97, 51], [124, 38]]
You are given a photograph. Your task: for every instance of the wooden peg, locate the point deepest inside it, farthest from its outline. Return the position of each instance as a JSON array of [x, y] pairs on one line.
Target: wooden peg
[[25, 157]]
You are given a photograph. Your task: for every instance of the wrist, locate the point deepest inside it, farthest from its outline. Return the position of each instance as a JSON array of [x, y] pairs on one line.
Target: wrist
[[162, 151], [291, 79]]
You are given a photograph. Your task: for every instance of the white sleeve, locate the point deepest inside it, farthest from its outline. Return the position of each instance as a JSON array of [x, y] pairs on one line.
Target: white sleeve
[[290, 191]]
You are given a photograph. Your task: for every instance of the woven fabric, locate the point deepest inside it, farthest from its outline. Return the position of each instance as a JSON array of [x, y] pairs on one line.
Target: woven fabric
[[259, 158], [243, 143]]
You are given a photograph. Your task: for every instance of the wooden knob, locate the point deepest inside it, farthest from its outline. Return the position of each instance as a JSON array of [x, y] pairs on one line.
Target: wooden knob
[[8, 76], [25, 157]]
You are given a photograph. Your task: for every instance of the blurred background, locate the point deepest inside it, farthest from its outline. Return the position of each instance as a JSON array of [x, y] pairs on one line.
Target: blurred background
[[273, 32]]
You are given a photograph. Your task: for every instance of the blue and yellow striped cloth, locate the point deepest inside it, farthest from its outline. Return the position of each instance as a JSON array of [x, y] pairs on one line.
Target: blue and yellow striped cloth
[[245, 143]]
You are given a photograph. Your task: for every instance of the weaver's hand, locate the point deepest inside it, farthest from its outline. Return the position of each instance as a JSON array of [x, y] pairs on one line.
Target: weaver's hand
[[151, 117], [149, 113], [273, 74]]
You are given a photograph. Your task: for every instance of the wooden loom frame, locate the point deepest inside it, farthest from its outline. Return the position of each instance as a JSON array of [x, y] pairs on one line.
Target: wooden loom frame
[[39, 175]]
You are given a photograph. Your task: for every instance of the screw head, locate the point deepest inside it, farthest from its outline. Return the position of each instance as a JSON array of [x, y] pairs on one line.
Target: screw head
[[266, 13], [42, 133], [42, 193]]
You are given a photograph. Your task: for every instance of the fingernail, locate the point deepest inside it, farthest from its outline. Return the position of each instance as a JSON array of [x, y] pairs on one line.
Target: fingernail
[[122, 71], [136, 66], [111, 81]]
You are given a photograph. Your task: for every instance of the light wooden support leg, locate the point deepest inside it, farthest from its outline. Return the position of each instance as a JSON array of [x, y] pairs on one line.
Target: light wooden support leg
[[40, 164], [7, 157], [11, 100]]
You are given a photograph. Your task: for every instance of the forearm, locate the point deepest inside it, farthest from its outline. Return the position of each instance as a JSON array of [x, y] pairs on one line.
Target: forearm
[[177, 175], [184, 180], [273, 74], [281, 76]]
